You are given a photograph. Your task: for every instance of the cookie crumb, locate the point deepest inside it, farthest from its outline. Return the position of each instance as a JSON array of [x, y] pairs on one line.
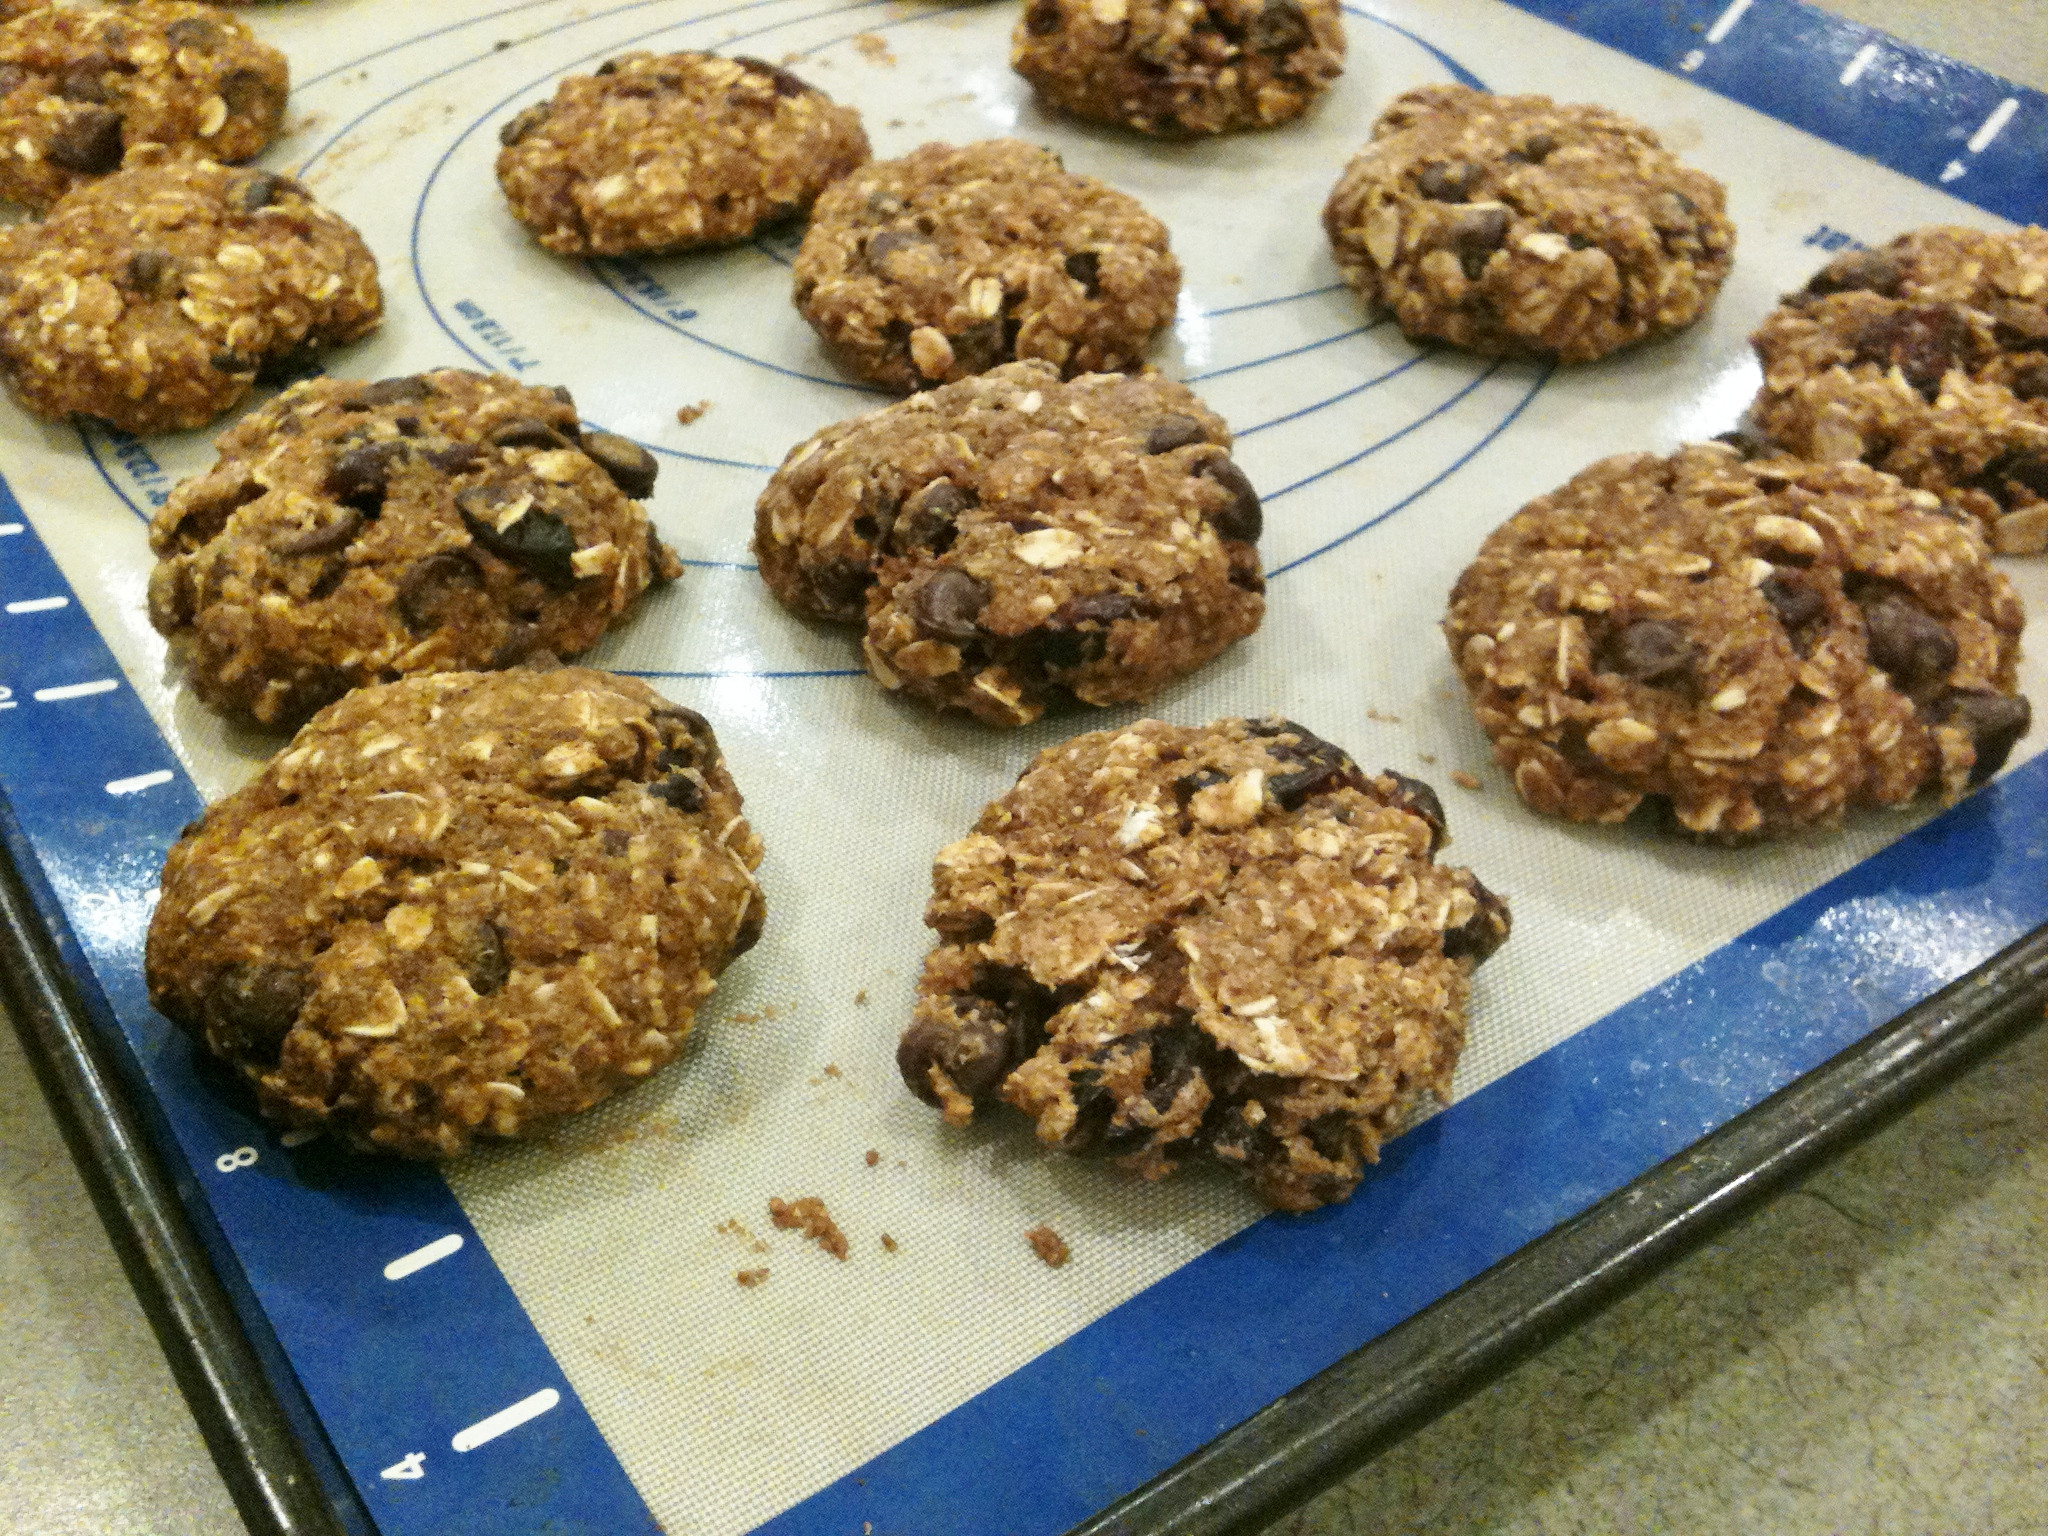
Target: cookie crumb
[[873, 1157], [751, 1277], [1382, 716], [888, 1243], [873, 49], [1049, 1246], [689, 413], [832, 1070], [1464, 780], [809, 1215], [860, 998], [1428, 757]]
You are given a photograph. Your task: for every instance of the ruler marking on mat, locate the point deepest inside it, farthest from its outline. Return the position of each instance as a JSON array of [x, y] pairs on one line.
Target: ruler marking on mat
[[505, 1420], [138, 782], [428, 1253], [38, 604], [1865, 57], [75, 691]]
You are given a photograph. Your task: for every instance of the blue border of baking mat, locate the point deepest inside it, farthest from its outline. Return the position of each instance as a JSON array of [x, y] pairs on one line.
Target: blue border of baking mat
[[400, 1370]]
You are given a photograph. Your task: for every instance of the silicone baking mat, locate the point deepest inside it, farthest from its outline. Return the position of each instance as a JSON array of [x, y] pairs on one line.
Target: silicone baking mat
[[549, 1337]]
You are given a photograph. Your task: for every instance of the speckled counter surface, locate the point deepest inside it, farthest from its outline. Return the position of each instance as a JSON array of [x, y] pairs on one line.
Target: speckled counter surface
[[1864, 1354]]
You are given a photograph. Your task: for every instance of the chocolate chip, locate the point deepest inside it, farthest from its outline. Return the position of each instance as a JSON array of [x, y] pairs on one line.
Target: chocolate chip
[[1446, 181], [2031, 382], [1534, 150], [1085, 268], [526, 432], [485, 961], [539, 543], [248, 93], [679, 792], [1280, 27], [947, 604], [926, 520], [88, 141], [251, 1006], [334, 534], [1748, 440], [455, 458], [614, 841], [299, 361], [1860, 271], [1993, 722], [360, 476], [887, 242], [524, 123], [1189, 785], [1077, 633], [1474, 235], [396, 391], [83, 80], [428, 584], [981, 346], [1042, 17], [1907, 641], [518, 649], [1240, 517], [1794, 602], [1171, 432], [261, 190], [974, 1052], [154, 273], [689, 739], [1649, 651], [231, 362], [194, 32], [1673, 210], [631, 467], [1482, 933], [2026, 469], [1923, 344], [1324, 766], [840, 587], [785, 83], [1419, 800]]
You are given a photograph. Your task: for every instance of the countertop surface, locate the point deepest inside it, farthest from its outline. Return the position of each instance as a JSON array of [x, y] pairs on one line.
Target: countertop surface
[[1866, 1353]]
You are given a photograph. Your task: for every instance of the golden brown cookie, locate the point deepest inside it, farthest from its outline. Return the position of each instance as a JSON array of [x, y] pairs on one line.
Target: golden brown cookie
[[1517, 225], [460, 906], [1927, 358], [945, 263], [353, 533], [1759, 644], [1012, 540], [1168, 67], [667, 152], [153, 298], [82, 85], [1170, 942]]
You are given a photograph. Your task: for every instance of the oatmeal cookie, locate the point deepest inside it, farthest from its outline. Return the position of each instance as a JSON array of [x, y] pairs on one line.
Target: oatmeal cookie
[[1760, 644], [1518, 226], [352, 533], [1171, 67], [154, 297], [1011, 539], [82, 85], [666, 152], [1927, 358], [923, 270], [1170, 942], [460, 906]]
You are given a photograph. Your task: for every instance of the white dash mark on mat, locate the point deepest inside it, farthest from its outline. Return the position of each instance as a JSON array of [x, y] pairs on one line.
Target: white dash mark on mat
[[75, 691], [1693, 60], [38, 604], [431, 1253], [1865, 57], [139, 782], [7, 528], [1994, 124], [1952, 170], [1725, 22], [506, 1419]]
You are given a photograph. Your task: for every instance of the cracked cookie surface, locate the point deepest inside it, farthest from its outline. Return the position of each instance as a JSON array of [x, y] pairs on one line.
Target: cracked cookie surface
[[1227, 942], [1927, 358], [1521, 226], [1012, 540], [665, 152], [352, 533], [80, 86], [921, 271], [461, 905], [153, 298], [1760, 644], [1176, 67]]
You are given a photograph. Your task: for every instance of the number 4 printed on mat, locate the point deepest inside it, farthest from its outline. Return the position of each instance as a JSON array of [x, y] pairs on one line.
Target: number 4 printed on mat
[[407, 1469]]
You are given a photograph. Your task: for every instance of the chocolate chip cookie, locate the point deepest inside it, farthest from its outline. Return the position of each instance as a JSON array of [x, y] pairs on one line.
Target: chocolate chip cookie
[[1760, 644], [1169, 943], [459, 906], [666, 152], [155, 297], [1929, 359], [924, 270], [1177, 68], [353, 533], [1011, 540], [82, 85], [1519, 226]]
